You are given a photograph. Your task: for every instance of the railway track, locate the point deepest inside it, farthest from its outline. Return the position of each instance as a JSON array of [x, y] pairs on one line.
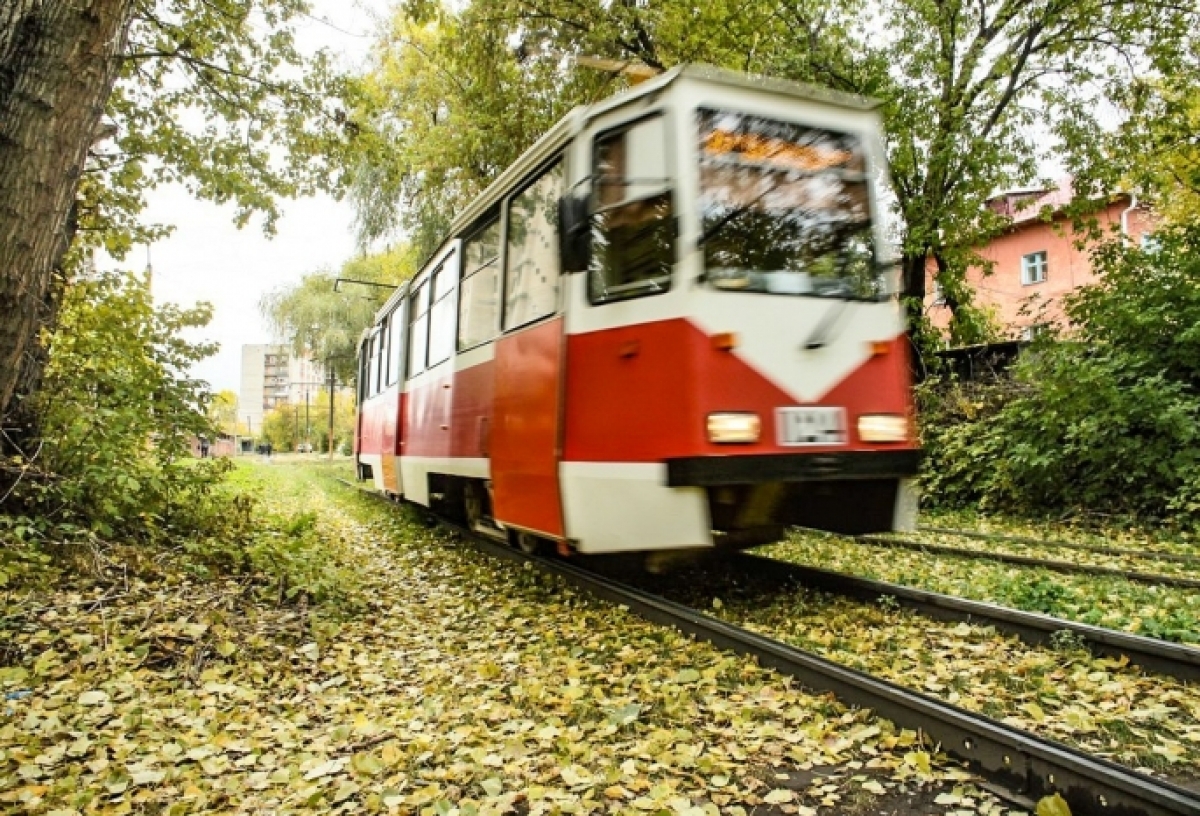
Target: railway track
[[1152, 654], [1027, 766], [1119, 552], [1030, 561]]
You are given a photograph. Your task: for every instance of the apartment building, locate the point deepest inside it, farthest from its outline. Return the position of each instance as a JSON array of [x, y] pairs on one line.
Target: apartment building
[[271, 376], [1038, 259]]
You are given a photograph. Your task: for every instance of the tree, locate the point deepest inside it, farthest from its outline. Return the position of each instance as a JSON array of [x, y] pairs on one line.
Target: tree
[[58, 63], [317, 321], [102, 99], [450, 107], [1161, 136], [223, 412], [284, 426], [975, 95]]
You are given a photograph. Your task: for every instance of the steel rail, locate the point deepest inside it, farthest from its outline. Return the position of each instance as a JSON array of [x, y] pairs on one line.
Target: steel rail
[[1022, 762], [1027, 764], [1030, 561], [1149, 555], [1172, 659]]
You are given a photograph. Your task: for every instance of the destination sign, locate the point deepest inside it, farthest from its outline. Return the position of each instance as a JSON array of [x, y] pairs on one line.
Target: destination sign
[[773, 150]]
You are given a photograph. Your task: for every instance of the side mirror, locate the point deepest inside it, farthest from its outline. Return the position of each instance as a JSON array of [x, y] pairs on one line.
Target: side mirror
[[574, 233]]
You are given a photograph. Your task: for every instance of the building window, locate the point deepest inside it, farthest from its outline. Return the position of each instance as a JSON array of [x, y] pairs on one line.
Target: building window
[[1033, 268], [1030, 333]]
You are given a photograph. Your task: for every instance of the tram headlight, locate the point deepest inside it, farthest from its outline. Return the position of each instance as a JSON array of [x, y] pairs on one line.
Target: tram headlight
[[734, 428], [883, 428]]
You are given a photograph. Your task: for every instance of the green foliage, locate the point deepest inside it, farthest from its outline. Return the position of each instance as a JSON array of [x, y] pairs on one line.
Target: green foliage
[[1158, 135], [441, 102], [119, 414], [281, 549], [214, 94], [284, 427], [1106, 418]]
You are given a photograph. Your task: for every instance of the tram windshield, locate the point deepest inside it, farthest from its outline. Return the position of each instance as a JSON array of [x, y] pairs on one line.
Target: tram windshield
[[785, 209]]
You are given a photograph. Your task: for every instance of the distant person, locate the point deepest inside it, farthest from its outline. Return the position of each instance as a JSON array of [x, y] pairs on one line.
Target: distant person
[[203, 447], [268, 450]]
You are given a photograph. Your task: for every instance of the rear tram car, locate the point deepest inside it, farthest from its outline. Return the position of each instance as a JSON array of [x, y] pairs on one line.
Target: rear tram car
[[668, 325]]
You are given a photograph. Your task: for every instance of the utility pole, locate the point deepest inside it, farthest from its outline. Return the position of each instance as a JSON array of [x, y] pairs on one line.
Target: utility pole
[[329, 362]]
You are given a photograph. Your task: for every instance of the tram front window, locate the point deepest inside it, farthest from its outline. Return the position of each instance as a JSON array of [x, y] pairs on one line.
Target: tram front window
[[785, 209]]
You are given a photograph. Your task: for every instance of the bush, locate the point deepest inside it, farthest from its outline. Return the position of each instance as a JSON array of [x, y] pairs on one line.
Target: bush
[[118, 413], [1104, 418]]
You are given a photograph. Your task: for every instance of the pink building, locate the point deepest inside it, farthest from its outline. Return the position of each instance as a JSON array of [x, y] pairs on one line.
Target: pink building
[[1037, 261]]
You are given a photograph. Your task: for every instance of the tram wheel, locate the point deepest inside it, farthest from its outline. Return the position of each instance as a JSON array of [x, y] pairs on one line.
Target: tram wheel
[[474, 505], [530, 544]]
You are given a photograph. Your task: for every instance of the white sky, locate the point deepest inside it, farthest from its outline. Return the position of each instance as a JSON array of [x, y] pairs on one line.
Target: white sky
[[208, 258]]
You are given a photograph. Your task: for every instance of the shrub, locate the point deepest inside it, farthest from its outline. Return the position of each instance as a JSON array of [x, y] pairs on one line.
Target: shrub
[[1104, 417]]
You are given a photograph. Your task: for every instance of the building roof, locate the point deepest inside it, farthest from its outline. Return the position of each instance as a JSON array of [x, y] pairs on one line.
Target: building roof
[[1026, 204]]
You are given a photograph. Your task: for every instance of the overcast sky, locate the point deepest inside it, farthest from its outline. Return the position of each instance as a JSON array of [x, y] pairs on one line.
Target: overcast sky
[[208, 258]]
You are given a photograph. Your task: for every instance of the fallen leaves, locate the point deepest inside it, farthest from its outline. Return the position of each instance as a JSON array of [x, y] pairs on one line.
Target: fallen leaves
[[461, 686], [1103, 705]]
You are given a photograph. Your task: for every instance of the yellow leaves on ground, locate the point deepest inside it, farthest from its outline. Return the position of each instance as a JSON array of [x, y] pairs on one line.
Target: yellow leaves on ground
[[461, 687], [1053, 805], [1102, 705]]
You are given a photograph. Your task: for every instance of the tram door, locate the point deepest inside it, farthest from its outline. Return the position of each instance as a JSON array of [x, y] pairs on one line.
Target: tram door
[[527, 425]]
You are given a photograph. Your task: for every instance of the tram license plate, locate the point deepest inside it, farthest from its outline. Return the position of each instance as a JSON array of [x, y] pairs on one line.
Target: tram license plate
[[811, 426]]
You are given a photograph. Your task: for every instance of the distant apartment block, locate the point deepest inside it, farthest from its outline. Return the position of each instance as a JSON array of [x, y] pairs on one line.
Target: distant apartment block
[[273, 376], [1038, 260]]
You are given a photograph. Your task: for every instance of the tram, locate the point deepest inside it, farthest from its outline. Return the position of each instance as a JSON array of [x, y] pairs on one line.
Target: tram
[[671, 324]]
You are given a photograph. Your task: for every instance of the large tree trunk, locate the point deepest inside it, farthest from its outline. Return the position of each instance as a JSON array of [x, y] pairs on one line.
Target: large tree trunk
[[912, 283], [912, 292], [58, 62]]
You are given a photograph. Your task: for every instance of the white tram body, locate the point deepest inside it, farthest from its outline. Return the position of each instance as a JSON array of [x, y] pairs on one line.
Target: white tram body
[[668, 325]]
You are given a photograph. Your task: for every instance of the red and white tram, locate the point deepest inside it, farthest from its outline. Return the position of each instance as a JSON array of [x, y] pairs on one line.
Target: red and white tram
[[668, 325]]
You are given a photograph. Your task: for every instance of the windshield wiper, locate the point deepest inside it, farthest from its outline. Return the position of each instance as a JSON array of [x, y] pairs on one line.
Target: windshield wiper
[[822, 333]]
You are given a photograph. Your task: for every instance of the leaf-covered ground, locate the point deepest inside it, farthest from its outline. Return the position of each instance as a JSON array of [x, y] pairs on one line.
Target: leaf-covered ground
[[1101, 705], [1112, 534], [1061, 549], [439, 682], [1152, 610]]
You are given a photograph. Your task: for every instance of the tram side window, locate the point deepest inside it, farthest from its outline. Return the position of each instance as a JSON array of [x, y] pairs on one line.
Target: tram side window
[[418, 334], [389, 363], [441, 315], [364, 363], [633, 229], [532, 265], [374, 374], [396, 349], [479, 298], [385, 345]]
